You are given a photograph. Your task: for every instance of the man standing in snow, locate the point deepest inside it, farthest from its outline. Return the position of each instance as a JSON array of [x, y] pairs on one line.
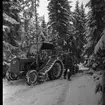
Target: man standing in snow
[[68, 65]]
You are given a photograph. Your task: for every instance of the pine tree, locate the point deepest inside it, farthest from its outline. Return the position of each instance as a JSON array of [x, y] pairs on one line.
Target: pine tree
[[95, 31], [16, 25], [44, 26], [10, 20], [77, 9], [11, 25], [29, 23], [79, 21], [59, 18], [95, 24]]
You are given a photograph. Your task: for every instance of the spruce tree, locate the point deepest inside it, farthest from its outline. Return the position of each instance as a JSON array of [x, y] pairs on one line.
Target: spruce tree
[[44, 26], [95, 24], [11, 20], [59, 18], [77, 9], [11, 26], [79, 27]]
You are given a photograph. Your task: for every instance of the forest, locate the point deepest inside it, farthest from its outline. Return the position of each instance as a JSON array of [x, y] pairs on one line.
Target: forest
[[83, 34]]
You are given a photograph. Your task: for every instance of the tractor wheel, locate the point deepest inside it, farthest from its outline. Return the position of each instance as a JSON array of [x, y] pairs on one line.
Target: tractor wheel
[[56, 71], [10, 76], [31, 77]]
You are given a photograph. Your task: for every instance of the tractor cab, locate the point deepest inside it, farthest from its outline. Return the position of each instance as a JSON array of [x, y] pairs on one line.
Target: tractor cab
[[42, 51]]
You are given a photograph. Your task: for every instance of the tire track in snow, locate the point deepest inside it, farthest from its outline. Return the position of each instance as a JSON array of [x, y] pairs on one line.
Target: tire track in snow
[[21, 89], [30, 97], [62, 98]]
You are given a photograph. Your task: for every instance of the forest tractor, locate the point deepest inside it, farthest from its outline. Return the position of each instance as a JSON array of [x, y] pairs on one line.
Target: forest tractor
[[40, 65]]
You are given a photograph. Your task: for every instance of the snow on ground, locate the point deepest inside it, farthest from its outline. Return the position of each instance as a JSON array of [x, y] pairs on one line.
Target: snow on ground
[[35, 95], [81, 67], [79, 91]]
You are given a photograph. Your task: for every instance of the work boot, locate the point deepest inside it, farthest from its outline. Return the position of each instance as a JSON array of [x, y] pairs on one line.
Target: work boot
[[69, 79]]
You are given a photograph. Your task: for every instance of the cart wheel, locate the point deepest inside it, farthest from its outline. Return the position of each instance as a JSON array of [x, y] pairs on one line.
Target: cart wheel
[[31, 77]]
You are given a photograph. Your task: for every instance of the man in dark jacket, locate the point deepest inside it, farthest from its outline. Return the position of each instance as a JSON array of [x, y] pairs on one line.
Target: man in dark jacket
[[68, 65]]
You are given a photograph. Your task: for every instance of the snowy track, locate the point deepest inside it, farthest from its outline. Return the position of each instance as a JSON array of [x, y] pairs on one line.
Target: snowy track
[[22, 94], [78, 91]]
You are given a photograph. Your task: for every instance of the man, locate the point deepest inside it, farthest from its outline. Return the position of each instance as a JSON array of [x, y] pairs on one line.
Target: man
[[68, 66]]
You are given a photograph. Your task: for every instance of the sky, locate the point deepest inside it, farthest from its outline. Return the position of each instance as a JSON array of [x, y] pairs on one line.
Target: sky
[[42, 9]]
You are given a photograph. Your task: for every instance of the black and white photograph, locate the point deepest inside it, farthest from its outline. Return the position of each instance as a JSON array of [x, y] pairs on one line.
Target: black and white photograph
[[53, 52]]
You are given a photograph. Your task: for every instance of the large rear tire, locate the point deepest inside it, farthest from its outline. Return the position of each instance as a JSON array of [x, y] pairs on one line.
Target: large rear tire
[[56, 71], [31, 77]]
